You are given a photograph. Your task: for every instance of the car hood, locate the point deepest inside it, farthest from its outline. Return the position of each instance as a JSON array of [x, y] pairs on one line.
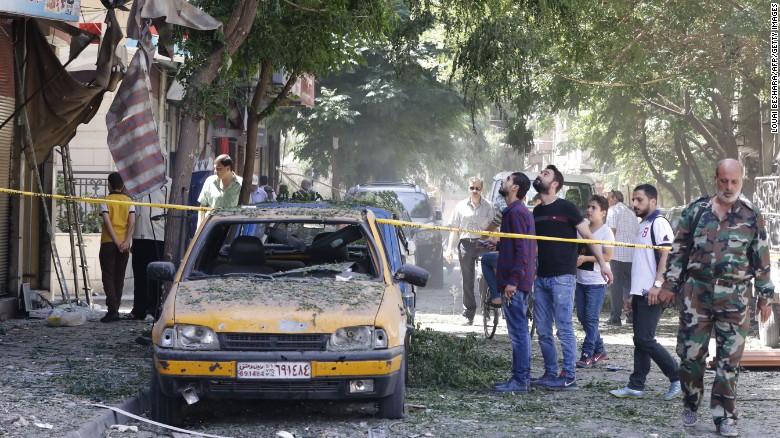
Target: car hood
[[277, 306]]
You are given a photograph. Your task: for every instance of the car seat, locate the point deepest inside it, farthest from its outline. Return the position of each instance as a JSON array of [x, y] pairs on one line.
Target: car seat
[[247, 255], [335, 252]]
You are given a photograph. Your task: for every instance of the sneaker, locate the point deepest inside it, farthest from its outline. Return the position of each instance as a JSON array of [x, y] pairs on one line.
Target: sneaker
[[626, 392], [466, 321], [562, 383], [689, 418], [674, 391], [585, 361], [615, 323], [542, 381], [598, 357], [727, 429], [513, 385]]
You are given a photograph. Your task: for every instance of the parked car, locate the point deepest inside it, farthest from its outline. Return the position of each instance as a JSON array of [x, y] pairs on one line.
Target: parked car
[[673, 216], [290, 301], [428, 243], [576, 188]]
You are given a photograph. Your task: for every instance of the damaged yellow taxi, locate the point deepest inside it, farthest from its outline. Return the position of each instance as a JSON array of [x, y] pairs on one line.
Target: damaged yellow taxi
[[286, 302]]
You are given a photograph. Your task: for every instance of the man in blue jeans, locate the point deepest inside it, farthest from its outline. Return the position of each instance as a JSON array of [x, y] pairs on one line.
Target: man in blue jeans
[[514, 278], [555, 278]]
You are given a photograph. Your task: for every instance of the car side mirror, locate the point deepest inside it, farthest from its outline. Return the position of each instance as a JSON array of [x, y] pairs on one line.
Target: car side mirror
[[160, 271], [437, 215], [412, 274]]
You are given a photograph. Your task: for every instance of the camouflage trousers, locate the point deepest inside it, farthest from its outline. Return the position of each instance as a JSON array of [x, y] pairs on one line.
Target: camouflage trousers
[[706, 308]]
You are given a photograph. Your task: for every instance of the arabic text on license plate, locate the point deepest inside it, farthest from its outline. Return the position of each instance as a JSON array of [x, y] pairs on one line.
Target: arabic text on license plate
[[273, 370]]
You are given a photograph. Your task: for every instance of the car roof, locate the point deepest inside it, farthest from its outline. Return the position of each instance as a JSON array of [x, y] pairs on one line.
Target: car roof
[[388, 185], [320, 211], [567, 178]]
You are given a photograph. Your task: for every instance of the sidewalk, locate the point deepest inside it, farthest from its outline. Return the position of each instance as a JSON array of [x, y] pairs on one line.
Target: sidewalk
[[51, 375]]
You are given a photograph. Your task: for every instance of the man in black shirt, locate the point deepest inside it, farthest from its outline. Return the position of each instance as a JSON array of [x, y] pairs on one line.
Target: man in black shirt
[[555, 278]]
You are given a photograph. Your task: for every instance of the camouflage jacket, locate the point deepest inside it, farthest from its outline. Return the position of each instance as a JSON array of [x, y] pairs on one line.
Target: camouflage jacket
[[733, 250]]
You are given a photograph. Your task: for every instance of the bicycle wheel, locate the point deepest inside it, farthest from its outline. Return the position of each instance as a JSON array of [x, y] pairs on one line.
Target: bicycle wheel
[[489, 314]]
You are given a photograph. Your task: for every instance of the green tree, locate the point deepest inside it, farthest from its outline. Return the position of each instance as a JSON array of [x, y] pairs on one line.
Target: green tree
[[262, 37], [392, 124]]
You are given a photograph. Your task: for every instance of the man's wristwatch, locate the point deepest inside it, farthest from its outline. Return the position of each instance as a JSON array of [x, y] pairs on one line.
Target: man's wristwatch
[[658, 283]]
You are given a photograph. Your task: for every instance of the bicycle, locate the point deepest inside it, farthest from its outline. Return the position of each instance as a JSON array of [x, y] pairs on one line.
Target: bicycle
[[490, 314]]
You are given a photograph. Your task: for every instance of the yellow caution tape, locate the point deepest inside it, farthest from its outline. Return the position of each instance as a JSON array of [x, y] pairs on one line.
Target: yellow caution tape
[[381, 221], [103, 200], [518, 236]]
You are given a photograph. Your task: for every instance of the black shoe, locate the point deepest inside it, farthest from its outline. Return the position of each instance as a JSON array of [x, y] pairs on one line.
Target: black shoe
[[111, 317], [615, 323], [513, 386]]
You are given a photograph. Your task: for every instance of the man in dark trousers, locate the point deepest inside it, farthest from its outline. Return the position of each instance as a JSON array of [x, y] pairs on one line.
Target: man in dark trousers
[[647, 271], [555, 278], [148, 237]]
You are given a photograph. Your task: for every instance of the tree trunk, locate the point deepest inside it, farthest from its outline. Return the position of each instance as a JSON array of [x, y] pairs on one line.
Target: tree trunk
[[255, 117], [703, 189], [684, 166], [658, 175], [236, 31]]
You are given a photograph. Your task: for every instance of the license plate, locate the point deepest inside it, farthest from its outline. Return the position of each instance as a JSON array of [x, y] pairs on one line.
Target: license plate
[[273, 370]]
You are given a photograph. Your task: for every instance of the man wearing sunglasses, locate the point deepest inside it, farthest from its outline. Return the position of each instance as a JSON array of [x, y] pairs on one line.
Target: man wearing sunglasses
[[472, 213]]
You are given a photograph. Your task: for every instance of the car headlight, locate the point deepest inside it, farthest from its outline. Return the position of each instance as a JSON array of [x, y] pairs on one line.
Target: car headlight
[[357, 338], [189, 337]]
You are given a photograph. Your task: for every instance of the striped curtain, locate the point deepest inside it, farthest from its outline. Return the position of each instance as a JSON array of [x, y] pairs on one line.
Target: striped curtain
[[132, 132]]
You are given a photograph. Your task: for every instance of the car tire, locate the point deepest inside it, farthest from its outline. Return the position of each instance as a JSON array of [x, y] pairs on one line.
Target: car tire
[[392, 406], [769, 331], [164, 409]]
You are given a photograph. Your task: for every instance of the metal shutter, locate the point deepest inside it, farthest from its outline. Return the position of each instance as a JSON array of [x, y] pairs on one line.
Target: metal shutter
[[7, 105]]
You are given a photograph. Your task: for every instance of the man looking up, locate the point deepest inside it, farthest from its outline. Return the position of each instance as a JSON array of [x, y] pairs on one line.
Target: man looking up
[[516, 269], [472, 213], [555, 280], [728, 249]]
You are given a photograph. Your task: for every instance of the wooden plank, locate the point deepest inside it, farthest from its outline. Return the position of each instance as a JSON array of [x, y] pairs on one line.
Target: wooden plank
[[761, 358]]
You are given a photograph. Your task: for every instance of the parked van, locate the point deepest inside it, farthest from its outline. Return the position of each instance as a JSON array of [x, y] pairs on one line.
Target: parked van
[[576, 188]]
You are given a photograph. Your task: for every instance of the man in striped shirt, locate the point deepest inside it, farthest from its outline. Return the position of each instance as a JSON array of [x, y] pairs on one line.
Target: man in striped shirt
[[472, 213], [624, 225]]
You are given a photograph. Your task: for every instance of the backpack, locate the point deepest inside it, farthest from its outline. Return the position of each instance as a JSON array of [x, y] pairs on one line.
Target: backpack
[[657, 252]]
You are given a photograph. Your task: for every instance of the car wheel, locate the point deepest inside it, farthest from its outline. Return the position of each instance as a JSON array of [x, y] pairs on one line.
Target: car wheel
[[164, 409], [392, 406], [769, 331]]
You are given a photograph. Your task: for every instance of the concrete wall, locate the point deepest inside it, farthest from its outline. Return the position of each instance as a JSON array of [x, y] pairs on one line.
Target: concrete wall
[[92, 249]]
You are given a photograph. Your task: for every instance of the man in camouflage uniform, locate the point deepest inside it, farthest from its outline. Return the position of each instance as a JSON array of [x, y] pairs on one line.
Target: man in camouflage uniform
[[728, 249]]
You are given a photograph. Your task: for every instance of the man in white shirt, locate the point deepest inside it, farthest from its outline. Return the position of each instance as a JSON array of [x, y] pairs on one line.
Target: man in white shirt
[[472, 213], [624, 225], [646, 280], [148, 243], [258, 191]]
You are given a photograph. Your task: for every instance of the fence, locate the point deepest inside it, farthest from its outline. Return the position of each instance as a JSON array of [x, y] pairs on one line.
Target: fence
[[87, 185], [767, 198]]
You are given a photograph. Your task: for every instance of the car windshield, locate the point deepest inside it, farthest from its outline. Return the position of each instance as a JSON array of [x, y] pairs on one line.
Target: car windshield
[[416, 204], [317, 248]]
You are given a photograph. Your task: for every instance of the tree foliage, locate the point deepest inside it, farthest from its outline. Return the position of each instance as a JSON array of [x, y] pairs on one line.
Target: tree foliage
[[262, 37], [682, 78]]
